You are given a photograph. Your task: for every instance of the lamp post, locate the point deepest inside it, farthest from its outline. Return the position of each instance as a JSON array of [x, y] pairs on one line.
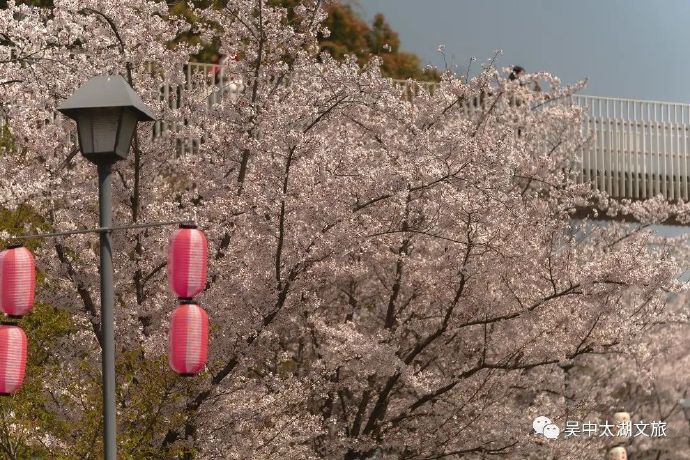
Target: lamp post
[[106, 110]]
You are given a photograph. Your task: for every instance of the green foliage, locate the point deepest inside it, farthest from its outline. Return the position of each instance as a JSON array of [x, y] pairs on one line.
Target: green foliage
[[351, 35], [13, 221], [150, 389], [348, 33], [29, 418], [184, 9], [6, 140]]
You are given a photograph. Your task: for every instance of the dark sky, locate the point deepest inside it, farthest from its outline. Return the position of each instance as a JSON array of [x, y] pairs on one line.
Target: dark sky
[[636, 49]]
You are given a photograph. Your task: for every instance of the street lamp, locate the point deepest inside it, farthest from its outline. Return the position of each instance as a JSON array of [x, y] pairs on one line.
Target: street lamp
[[106, 110]]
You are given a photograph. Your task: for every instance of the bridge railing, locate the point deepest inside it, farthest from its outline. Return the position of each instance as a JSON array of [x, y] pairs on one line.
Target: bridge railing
[[637, 149]]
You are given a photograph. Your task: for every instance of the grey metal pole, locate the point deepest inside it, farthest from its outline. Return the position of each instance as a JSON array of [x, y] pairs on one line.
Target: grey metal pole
[[107, 318]]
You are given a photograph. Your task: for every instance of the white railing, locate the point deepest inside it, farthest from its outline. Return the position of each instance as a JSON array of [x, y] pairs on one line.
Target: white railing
[[637, 149], [210, 80]]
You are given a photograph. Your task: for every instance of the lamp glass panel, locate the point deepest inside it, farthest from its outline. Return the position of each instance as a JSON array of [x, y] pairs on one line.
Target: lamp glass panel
[[127, 127], [98, 129], [85, 133]]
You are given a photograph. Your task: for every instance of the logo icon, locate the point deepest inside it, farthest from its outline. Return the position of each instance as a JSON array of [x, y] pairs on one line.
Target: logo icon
[[539, 423], [551, 431], [544, 425]]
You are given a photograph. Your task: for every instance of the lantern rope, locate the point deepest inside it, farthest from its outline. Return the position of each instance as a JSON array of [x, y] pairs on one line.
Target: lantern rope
[[100, 230]]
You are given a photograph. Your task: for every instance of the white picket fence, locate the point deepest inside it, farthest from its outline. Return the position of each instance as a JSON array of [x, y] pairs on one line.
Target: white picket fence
[[637, 149]]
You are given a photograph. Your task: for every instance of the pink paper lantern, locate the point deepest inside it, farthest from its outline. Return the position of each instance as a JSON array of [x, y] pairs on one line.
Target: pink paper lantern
[[188, 339], [12, 358], [187, 260], [17, 281]]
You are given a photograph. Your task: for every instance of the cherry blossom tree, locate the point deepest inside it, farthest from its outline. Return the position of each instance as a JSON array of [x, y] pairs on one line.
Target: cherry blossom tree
[[390, 276]]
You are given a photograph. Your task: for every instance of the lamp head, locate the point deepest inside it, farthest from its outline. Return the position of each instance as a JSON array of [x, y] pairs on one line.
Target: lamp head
[[106, 110]]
